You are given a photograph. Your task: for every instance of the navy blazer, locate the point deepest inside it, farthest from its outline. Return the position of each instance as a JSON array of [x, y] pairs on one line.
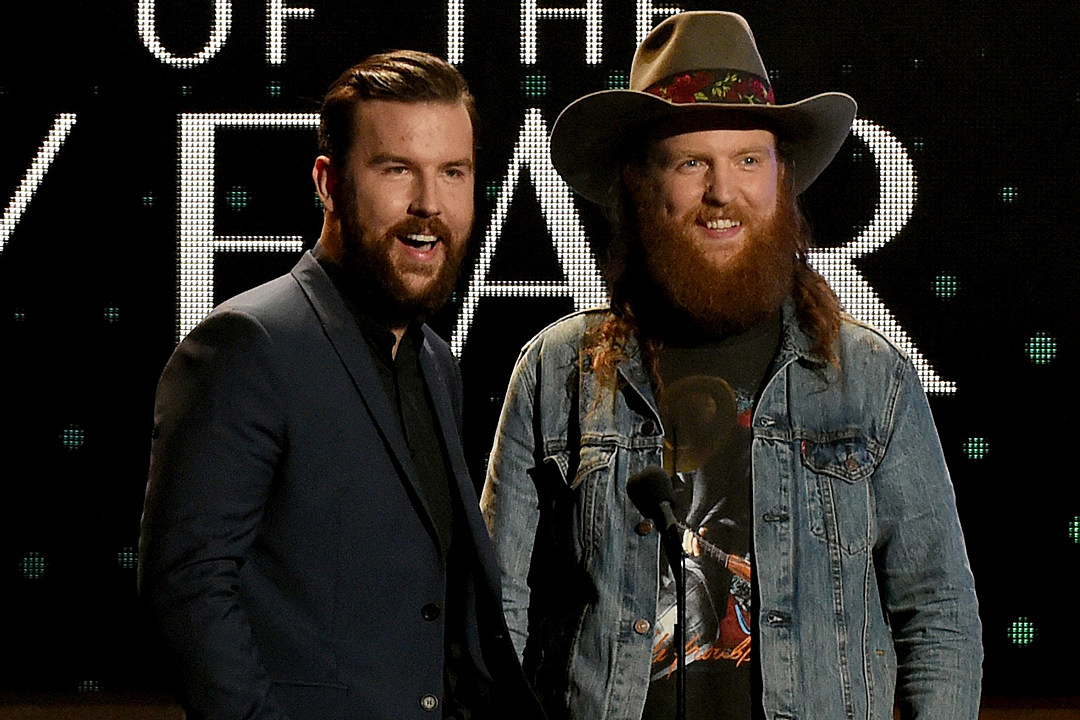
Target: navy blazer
[[286, 550]]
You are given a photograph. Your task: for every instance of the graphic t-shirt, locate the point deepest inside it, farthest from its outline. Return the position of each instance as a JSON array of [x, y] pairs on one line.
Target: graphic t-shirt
[[706, 401]]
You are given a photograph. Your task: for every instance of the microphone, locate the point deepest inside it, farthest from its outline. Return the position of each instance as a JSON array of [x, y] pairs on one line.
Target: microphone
[[651, 492]]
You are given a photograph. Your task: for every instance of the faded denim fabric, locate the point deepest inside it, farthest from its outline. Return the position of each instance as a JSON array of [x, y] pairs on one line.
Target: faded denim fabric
[[865, 589]]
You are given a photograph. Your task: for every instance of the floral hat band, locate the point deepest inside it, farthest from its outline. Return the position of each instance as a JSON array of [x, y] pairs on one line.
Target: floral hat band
[[699, 66], [714, 86]]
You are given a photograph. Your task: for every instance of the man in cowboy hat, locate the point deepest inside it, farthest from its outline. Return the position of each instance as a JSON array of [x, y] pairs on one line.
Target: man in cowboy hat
[[799, 440]]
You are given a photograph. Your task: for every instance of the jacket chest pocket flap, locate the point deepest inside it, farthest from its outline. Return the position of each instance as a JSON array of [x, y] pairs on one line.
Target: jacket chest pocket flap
[[839, 491], [579, 506]]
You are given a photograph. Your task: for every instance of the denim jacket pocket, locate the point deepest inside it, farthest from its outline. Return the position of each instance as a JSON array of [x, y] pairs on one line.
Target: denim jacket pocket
[[838, 490], [590, 485], [586, 479]]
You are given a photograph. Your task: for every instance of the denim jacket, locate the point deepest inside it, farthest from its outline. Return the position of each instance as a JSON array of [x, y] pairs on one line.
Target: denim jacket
[[865, 590]]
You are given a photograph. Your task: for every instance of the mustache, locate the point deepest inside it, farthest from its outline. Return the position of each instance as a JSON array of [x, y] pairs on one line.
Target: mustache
[[421, 226]]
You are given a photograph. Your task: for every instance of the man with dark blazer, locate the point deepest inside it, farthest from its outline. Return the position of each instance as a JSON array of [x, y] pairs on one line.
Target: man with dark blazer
[[311, 542]]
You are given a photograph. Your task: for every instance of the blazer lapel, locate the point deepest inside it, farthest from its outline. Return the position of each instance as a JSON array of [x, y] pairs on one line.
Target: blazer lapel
[[355, 354], [444, 398]]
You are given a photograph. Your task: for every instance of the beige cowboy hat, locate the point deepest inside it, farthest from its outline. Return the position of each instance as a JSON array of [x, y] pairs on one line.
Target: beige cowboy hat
[[693, 62]]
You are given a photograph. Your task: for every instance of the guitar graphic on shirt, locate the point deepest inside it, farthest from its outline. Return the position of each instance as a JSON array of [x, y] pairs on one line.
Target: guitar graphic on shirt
[[738, 566]]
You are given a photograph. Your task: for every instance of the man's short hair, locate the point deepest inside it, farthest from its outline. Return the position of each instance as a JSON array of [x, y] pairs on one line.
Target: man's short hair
[[399, 75]]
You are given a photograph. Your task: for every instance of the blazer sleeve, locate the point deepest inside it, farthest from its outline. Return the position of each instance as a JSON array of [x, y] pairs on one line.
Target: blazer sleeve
[[218, 434]]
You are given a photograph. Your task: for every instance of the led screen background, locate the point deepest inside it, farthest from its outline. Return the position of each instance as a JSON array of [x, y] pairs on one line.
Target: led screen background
[[956, 188]]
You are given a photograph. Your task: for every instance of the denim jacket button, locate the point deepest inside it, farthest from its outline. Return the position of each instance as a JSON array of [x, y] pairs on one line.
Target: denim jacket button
[[648, 427], [642, 626], [644, 527]]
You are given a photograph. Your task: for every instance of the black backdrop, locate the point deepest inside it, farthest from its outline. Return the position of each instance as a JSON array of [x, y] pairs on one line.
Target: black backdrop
[[96, 244]]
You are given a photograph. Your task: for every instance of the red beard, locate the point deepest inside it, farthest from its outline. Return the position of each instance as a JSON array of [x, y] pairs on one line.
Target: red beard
[[713, 299], [370, 266]]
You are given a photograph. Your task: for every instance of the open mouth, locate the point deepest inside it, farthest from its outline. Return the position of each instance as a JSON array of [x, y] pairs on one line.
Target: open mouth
[[721, 224], [420, 241]]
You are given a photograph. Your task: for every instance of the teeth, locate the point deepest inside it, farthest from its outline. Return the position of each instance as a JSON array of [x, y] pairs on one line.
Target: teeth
[[419, 239], [722, 224]]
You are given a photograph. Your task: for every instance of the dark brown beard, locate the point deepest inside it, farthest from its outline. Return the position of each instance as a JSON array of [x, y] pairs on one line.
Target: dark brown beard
[[700, 296], [372, 273]]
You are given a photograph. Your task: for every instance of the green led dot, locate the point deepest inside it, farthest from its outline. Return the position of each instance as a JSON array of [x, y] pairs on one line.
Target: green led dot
[[32, 567], [917, 144], [976, 448], [19, 315], [237, 198], [127, 558], [148, 200], [1022, 632], [1074, 529], [946, 286], [111, 315], [491, 190], [1009, 194], [185, 90], [534, 85], [89, 686], [72, 437], [273, 89], [1041, 348], [847, 69], [618, 80]]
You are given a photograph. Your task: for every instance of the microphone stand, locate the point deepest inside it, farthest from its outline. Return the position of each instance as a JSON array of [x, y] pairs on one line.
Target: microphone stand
[[671, 539], [679, 572], [651, 492]]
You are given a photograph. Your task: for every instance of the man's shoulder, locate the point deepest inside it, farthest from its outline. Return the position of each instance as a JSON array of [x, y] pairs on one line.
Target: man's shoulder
[[285, 303], [568, 331], [860, 337], [275, 314], [265, 300]]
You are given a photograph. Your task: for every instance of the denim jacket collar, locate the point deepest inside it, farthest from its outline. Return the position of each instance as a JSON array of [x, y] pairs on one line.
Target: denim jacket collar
[[794, 345], [632, 369]]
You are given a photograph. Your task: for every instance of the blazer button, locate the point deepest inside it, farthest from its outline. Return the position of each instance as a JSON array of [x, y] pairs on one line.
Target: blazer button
[[430, 612], [644, 527], [429, 702], [642, 626]]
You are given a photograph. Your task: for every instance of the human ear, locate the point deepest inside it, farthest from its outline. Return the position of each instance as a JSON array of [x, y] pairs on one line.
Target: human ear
[[325, 180]]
